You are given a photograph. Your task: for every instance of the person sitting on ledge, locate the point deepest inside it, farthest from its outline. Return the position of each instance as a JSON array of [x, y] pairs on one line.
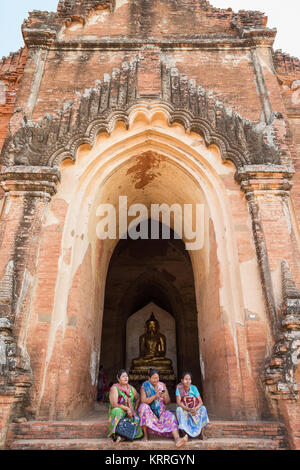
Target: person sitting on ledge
[[154, 417], [191, 413], [124, 401]]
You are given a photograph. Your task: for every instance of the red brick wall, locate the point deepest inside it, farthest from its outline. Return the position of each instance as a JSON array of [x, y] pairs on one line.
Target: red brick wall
[[42, 306], [215, 341], [68, 73], [11, 71], [231, 74], [288, 75]]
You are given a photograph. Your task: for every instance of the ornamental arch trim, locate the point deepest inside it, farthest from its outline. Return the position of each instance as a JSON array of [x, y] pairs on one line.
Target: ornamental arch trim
[[58, 136]]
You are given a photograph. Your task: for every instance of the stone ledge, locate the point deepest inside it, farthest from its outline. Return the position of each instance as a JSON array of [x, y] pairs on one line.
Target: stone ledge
[[38, 181], [166, 444]]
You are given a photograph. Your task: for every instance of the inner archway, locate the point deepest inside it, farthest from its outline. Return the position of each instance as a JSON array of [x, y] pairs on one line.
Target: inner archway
[[144, 271]]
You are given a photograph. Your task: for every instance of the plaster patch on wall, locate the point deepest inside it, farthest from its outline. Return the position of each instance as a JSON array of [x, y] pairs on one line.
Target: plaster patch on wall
[[253, 300], [91, 37], [2, 93], [296, 94], [202, 367], [71, 57], [75, 27], [26, 282], [234, 60], [277, 284], [39, 59], [93, 367], [25, 358], [167, 59], [7, 205], [51, 219], [120, 3], [248, 364], [287, 215], [265, 65]]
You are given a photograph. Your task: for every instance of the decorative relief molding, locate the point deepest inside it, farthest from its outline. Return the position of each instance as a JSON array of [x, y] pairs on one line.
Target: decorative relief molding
[[287, 69], [279, 373], [57, 137], [256, 179], [36, 181], [14, 361]]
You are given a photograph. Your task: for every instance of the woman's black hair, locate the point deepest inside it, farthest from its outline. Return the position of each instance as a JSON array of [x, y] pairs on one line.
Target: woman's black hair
[[152, 372], [186, 373], [120, 372]]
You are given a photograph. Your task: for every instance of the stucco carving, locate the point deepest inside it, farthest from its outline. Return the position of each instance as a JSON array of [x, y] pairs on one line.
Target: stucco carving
[[57, 137], [280, 368], [14, 360]]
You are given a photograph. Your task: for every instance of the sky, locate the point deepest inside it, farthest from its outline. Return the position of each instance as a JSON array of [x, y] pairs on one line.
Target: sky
[[283, 15]]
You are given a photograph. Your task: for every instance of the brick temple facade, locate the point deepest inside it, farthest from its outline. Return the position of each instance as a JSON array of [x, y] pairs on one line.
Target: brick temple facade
[[164, 102]]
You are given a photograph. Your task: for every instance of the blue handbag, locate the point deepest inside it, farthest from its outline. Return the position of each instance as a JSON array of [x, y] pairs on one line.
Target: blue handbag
[[126, 428]]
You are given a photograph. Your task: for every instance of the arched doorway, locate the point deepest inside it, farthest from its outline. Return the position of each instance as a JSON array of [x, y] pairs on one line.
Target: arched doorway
[[149, 164], [144, 271]]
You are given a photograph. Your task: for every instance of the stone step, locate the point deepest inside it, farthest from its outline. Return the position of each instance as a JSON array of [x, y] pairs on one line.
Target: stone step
[[58, 430], [96, 428], [166, 444]]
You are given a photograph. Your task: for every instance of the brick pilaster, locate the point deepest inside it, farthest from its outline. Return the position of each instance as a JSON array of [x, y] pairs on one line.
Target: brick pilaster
[[27, 193]]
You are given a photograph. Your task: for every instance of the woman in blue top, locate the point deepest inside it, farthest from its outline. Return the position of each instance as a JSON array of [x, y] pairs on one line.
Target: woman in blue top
[[191, 413]]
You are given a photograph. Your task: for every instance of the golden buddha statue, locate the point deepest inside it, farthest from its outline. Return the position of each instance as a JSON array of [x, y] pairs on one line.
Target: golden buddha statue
[[152, 351]]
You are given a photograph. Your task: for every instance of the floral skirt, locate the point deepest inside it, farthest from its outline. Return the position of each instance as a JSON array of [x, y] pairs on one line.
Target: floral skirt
[[162, 426], [192, 425], [115, 415]]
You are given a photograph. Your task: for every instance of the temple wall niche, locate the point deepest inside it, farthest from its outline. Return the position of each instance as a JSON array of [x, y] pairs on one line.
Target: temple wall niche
[[136, 327]]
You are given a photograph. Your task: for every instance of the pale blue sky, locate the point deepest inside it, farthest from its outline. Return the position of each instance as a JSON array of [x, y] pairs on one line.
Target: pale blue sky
[[284, 15]]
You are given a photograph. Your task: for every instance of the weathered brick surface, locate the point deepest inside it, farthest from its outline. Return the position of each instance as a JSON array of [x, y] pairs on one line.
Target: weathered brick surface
[[91, 434], [167, 46], [11, 72], [6, 405], [60, 74], [104, 444], [291, 413]]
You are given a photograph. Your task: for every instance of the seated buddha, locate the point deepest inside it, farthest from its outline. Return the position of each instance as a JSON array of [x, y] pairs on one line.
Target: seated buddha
[[152, 350]]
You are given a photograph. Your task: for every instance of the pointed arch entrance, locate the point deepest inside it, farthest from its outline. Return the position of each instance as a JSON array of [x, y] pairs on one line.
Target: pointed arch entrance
[[144, 271], [152, 162]]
